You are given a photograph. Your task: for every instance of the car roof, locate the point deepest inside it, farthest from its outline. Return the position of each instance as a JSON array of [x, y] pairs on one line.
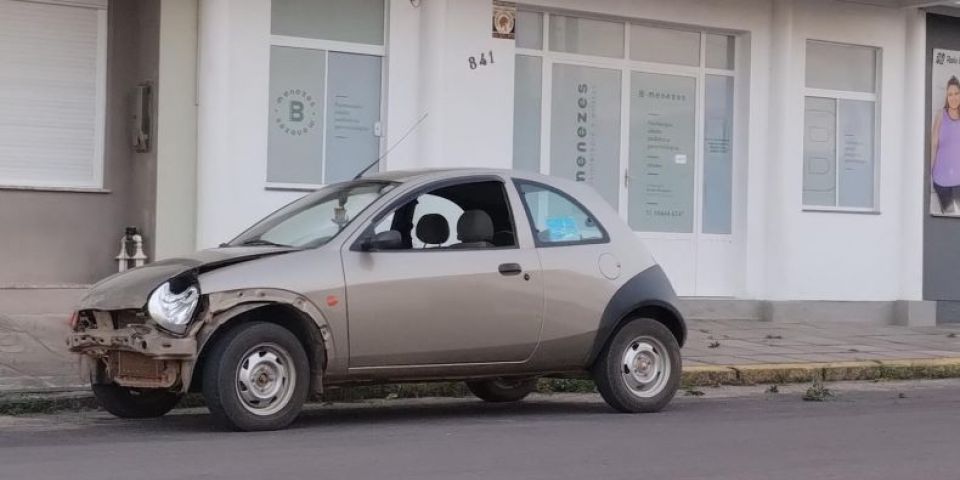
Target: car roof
[[404, 176]]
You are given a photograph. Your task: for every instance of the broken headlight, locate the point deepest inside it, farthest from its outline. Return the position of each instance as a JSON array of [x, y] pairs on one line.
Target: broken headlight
[[171, 307]]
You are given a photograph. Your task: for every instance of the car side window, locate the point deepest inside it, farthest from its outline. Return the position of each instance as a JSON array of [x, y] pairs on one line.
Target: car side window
[[471, 215], [557, 219]]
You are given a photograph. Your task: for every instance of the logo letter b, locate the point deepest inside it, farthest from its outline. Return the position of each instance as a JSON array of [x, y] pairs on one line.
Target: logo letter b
[[296, 111]]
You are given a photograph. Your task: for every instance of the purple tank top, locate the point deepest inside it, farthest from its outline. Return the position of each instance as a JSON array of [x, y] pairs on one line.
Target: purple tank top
[[946, 170]]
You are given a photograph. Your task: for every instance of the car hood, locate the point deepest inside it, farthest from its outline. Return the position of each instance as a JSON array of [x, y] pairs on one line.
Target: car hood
[[131, 289]]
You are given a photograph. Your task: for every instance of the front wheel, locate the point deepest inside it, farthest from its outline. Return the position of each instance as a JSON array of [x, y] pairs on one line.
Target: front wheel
[[503, 390], [134, 403], [639, 370], [256, 378]]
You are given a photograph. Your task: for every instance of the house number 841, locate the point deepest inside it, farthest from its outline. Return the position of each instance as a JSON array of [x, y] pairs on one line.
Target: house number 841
[[474, 63]]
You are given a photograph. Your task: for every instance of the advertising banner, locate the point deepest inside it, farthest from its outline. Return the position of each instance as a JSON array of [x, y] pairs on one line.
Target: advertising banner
[[945, 134]]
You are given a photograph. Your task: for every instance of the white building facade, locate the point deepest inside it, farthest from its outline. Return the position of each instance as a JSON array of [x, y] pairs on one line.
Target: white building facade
[[765, 150], [773, 154]]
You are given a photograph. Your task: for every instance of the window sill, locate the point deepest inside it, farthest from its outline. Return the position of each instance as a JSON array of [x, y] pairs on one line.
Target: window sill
[[857, 211], [27, 188]]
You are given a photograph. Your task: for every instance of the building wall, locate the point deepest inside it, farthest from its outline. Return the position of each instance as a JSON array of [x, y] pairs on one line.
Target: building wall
[[785, 253], [63, 237], [842, 256]]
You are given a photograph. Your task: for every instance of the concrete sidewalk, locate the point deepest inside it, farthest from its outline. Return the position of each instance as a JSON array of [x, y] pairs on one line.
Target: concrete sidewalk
[[745, 342], [739, 352]]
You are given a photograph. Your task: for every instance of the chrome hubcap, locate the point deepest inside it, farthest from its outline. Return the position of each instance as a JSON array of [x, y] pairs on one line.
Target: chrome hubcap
[[645, 367], [265, 379]]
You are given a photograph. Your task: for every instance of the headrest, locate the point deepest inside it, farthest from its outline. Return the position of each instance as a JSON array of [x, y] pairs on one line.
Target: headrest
[[433, 229], [475, 226]]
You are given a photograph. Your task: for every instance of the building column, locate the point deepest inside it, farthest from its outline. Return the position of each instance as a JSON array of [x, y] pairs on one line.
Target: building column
[[432, 45], [233, 114], [912, 176], [781, 103], [403, 86], [176, 142]]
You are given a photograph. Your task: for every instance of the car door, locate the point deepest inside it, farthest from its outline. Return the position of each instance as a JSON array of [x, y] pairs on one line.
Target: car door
[[580, 268], [447, 303]]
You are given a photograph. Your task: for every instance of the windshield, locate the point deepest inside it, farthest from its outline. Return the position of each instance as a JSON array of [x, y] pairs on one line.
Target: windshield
[[314, 219]]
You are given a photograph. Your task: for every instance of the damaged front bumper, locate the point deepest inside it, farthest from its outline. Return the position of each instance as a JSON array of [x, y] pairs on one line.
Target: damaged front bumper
[[135, 356]]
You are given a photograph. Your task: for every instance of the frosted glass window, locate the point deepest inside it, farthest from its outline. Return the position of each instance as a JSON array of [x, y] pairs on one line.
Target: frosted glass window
[[295, 140], [315, 137], [718, 155], [832, 66], [527, 101], [664, 45], [586, 36], [820, 152], [353, 110], [529, 30], [662, 152], [585, 127], [358, 21], [855, 143], [839, 157], [50, 95], [720, 51]]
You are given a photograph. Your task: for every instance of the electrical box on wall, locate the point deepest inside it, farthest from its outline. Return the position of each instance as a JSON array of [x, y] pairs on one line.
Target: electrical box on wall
[[140, 103]]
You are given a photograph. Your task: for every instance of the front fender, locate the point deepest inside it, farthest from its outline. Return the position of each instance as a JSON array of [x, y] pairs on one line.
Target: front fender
[[225, 307]]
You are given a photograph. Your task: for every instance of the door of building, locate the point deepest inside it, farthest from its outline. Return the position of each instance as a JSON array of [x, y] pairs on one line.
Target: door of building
[[679, 177], [646, 116]]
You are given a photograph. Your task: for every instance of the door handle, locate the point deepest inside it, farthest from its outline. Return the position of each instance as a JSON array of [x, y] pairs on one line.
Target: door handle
[[510, 269]]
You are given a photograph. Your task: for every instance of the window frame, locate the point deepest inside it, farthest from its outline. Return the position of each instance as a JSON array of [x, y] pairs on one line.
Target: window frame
[[332, 46], [518, 183], [98, 161], [626, 66], [405, 198], [837, 96]]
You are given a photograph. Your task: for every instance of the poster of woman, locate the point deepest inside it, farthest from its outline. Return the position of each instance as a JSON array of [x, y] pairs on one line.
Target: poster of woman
[[945, 134]]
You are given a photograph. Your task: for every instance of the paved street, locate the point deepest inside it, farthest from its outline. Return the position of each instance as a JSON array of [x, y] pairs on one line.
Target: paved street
[[869, 431]]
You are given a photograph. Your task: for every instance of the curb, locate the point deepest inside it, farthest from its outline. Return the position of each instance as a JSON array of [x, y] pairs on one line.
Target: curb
[[693, 376], [781, 373]]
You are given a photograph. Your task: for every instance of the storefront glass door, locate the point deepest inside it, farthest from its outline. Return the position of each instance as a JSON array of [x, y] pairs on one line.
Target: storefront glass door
[[645, 115], [663, 157]]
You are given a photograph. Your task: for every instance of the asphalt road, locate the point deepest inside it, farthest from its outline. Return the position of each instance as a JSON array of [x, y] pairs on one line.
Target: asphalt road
[[867, 432]]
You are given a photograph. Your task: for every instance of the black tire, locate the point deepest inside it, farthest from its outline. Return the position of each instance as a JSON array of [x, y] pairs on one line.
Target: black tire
[[134, 403], [612, 379], [503, 390], [222, 385]]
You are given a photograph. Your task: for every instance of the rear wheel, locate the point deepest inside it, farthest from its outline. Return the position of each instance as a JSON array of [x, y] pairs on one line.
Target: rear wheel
[[256, 378], [134, 403], [639, 370], [502, 389]]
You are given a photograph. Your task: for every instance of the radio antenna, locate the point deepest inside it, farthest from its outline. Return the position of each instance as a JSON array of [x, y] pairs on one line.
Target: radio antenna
[[395, 145]]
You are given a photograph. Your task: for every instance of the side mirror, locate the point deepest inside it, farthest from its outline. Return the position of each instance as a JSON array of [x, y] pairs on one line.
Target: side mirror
[[389, 240]]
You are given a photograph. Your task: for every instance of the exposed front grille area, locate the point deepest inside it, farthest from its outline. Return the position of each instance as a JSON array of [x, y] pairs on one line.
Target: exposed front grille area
[[126, 318]]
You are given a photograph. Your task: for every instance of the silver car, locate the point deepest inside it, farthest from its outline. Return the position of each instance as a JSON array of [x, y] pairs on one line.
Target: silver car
[[492, 277]]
